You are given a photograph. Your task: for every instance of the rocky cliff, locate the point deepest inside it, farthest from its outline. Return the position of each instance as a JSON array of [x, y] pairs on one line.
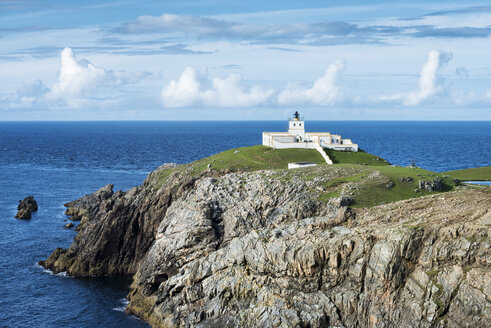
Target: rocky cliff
[[270, 249]]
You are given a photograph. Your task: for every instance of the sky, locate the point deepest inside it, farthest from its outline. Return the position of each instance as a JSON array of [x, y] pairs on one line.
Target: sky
[[245, 60]]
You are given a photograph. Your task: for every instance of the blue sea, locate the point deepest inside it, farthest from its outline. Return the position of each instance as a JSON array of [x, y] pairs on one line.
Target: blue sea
[[60, 161]]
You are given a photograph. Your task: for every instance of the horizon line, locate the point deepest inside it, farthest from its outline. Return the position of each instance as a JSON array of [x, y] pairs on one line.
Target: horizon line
[[252, 120]]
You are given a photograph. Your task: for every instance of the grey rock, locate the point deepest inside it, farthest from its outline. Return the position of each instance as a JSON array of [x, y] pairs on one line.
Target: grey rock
[[431, 185], [406, 179], [26, 207], [166, 166]]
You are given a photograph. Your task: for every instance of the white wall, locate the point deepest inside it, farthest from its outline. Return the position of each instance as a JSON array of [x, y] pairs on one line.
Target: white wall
[[283, 145], [352, 147]]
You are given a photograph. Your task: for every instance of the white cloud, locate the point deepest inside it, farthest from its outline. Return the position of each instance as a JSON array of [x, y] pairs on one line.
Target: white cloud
[[429, 83], [27, 95], [319, 33], [324, 91], [79, 84], [198, 89], [76, 77], [184, 92]]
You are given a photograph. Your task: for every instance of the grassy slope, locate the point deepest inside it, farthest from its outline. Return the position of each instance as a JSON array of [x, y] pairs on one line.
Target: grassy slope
[[247, 159], [360, 168], [258, 158], [360, 157], [375, 191], [478, 173]]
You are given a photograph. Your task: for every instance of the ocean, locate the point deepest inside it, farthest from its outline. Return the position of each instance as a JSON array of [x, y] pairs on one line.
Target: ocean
[[57, 162]]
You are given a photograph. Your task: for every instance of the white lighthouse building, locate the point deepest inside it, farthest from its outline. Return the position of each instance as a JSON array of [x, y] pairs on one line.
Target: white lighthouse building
[[296, 137]]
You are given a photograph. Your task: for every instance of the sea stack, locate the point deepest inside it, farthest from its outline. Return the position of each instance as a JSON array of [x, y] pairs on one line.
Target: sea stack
[[26, 207]]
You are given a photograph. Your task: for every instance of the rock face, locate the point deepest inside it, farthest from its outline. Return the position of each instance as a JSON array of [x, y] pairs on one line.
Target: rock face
[[261, 250], [116, 229], [88, 205], [26, 207]]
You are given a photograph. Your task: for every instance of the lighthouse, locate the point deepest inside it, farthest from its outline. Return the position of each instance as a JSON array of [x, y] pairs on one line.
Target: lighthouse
[[296, 137], [296, 127]]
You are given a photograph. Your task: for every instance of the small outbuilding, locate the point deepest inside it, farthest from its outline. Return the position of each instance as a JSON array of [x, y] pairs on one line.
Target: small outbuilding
[[300, 164]]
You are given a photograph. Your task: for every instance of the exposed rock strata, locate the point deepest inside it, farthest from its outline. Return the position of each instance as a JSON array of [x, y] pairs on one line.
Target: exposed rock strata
[[260, 250], [26, 207], [116, 228]]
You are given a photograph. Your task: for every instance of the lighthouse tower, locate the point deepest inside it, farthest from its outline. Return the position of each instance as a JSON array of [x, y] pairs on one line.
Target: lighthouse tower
[[296, 127]]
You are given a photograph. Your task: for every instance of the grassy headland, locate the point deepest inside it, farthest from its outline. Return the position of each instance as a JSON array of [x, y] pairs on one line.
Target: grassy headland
[[368, 179], [256, 158], [478, 173], [246, 159]]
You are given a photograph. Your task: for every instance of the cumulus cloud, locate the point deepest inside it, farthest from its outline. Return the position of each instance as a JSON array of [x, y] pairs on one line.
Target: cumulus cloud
[[79, 83], [198, 89], [429, 83], [324, 91], [76, 77]]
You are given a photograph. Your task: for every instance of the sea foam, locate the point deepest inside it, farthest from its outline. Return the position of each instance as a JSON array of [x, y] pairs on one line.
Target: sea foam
[[124, 302]]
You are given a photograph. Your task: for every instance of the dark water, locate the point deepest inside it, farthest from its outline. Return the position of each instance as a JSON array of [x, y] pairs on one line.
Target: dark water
[[58, 162]]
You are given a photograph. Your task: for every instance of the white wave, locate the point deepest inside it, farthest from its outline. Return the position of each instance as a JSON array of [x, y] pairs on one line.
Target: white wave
[[37, 265], [51, 273], [124, 302]]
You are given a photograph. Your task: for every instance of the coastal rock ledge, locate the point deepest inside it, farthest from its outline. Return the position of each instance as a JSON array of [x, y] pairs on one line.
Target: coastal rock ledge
[[262, 249]]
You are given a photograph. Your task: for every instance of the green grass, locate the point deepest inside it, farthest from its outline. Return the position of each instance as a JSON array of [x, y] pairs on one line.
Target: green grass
[[478, 173], [325, 196], [258, 158], [338, 181], [356, 168], [375, 191], [245, 159], [360, 157]]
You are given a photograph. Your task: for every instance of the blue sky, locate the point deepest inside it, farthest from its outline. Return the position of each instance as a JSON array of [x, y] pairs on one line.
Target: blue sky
[[234, 60]]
